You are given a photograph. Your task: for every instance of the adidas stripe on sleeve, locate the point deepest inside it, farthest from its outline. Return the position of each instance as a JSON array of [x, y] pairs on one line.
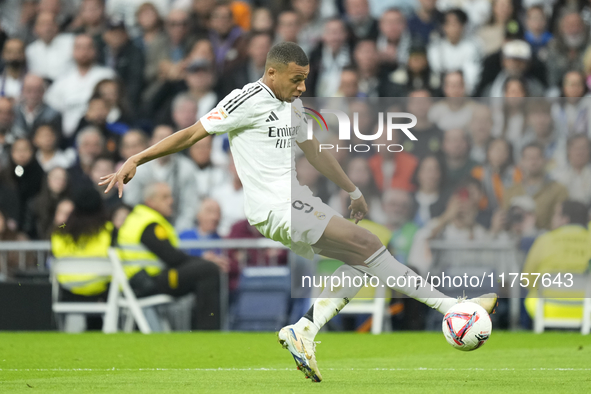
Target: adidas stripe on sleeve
[[232, 112]]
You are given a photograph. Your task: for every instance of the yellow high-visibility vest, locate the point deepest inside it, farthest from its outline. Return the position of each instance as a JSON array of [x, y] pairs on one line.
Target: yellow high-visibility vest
[[63, 246], [130, 235]]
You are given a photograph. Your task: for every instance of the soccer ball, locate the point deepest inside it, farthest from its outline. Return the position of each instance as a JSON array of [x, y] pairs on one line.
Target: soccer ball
[[466, 326]]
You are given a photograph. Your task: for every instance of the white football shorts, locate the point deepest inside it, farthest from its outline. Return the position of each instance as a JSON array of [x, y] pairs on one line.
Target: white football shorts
[[301, 225]]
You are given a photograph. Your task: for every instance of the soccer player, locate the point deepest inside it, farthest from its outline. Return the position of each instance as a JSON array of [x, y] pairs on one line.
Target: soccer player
[[279, 207]]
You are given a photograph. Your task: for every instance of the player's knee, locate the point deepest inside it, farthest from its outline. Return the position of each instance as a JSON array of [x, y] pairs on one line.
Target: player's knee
[[368, 241]]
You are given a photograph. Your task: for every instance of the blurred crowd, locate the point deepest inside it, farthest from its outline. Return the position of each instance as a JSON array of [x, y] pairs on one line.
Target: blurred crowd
[[85, 84]]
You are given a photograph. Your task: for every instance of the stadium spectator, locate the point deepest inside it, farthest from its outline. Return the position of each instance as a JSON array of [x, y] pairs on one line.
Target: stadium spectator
[[198, 86], [25, 173], [394, 40], [537, 33], [230, 196], [478, 11], [430, 197], [208, 219], [164, 268], [90, 19], [565, 249], [119, 214], [288, 27], [132, 142], [492, 34], [46, 142], [566, 50], [152, 40], [87, 234], [207, 176], [228, 39], [32, 111], [415, 75], [361, 25], [25, 22], [456, 111], [520, 222], [7, 129], [253, 67], [262, 21], [184, 110], [397, 206], [456, 151], [90, 143], [536, 184], [497, 173], [359, 170], [110, 90], [516, 62], [372, 79], [425, 21], [165, 58], [51, 55], [96, 116], [428, 135], [454, 51], [41, 211], [570, 114], [540, 130], [349, 84], [129, 9], [104, 165], [392, 170], [575, 175], [120, 54], [480, 131], [311, 23], [328, 59], [70, 93], [458, 223], [14, 68], [175, 170]]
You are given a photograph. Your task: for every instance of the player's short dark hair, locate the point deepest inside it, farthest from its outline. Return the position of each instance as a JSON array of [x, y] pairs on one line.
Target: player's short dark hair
[[575, 211], [287, 52]]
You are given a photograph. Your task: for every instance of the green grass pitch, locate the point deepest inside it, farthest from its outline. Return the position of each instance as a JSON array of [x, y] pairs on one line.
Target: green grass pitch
[[522, 362]]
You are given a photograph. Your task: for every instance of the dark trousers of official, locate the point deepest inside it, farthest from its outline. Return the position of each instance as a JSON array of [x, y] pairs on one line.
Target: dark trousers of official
[[202, 278]]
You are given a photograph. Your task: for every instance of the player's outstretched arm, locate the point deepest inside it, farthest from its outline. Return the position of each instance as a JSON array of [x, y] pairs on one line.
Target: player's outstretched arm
[[174, 143], [328, 166]]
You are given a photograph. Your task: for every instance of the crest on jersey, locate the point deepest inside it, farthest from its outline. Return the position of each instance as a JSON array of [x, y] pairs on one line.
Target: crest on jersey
[[320, 215]]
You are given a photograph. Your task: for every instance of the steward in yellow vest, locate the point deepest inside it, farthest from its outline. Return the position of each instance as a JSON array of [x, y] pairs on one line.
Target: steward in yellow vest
[[149, 252], [85, 235], [566, 249]]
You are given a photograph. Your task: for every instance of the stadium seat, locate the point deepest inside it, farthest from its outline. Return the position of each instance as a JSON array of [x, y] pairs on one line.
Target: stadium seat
[[136, 309], [369, 300], [98, 266], [263, 298], [560, 307]]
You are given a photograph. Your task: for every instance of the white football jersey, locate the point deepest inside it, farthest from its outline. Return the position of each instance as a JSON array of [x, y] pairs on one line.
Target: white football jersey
[[261, 130]]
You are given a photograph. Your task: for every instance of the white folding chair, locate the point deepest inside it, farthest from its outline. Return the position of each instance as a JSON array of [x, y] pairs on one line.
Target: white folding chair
[[377, 307], [97, 266], [579, 294], [370, 300], [135, 308]]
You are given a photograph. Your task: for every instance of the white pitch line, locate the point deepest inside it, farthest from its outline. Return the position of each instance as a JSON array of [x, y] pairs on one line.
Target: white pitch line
[[275, 369]]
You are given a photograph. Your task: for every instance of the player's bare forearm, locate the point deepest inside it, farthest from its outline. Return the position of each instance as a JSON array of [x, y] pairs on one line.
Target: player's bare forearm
[[326, 164], [174, 143]]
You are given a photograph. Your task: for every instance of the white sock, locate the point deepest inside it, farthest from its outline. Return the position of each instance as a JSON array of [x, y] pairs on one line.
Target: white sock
[[329, 303], [383, 265]]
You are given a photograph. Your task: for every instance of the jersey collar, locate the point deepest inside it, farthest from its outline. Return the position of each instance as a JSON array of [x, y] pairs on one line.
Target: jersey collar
[[268, 89]]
